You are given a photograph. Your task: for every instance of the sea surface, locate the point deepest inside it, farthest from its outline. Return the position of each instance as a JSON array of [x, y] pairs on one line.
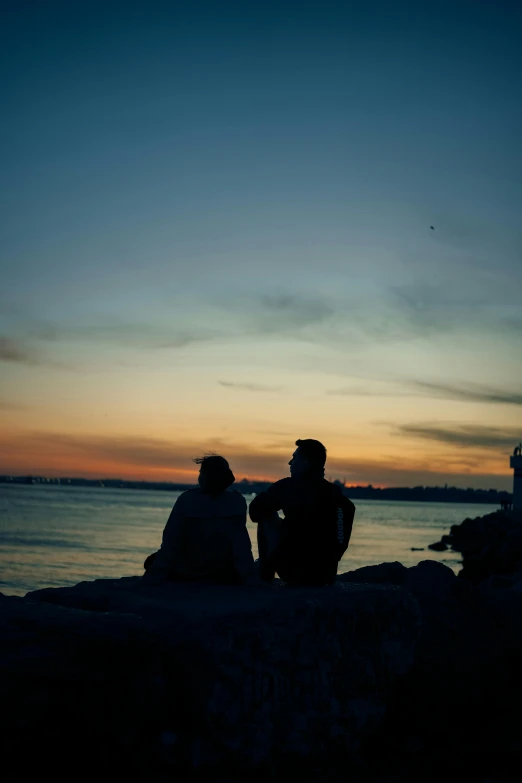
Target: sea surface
[[54, 535]]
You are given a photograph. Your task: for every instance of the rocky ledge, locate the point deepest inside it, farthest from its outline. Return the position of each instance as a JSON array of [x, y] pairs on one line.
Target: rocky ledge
[[491, 548], [189, 676], [390, 669]]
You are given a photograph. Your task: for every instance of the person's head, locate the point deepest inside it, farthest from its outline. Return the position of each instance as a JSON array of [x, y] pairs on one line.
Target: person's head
[[214, 474], [308, 458]]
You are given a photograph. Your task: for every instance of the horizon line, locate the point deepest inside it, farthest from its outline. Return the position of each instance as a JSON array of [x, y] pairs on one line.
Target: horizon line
[[56, 479]]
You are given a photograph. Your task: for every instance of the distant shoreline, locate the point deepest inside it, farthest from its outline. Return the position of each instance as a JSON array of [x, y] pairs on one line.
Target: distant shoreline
[[418, 494]]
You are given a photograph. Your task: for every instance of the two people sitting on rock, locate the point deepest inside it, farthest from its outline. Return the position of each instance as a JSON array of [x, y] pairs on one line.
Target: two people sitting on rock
[[206, 539]]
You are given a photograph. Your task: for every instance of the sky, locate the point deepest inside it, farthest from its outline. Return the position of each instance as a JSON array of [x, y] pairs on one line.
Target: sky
[[226, 226]]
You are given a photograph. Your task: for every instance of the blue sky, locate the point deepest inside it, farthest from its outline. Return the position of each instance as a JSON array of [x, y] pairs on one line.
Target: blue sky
[[217, 224]]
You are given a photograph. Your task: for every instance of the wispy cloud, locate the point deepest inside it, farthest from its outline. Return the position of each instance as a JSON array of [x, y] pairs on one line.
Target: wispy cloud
[[424, 309], [479, 303], [140, 335], [12, 350], [341, 321], [285, 310], [464, 435], [252, 387], [365, 391], [241, 317], [468, 392], [460, 392], [18, 351]]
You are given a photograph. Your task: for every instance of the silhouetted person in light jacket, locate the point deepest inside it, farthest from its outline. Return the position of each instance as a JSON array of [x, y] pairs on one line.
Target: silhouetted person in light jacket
[[205, 538], [305, 547]]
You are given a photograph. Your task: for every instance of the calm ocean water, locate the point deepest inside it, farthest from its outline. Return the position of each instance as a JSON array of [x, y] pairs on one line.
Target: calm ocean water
[[51, 535]]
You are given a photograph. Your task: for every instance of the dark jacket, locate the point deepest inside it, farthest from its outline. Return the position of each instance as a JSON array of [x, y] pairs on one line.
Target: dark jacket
[[205, 539], [316, 529]]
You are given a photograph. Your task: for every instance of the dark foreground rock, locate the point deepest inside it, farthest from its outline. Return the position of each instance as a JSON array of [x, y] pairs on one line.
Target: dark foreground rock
[[459, 707], [394, 675], [168, 680], [490, 545]]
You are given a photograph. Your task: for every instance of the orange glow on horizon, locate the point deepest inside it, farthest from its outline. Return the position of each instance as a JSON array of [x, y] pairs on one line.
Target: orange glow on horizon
[[100, 468], [56, 454]]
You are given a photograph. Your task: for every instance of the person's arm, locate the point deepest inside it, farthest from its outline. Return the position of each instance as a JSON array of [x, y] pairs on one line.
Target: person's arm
[[170, 547], [242, 552], [267, 503], [241, 544], [345, 523]]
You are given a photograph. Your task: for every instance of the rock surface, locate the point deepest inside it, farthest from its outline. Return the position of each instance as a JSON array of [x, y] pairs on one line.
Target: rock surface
[[460, 701], [490, 545], [394, 674], [189, 675]]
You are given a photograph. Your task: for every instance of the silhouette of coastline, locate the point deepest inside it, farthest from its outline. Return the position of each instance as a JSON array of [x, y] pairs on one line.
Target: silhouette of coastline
[[246, 487]]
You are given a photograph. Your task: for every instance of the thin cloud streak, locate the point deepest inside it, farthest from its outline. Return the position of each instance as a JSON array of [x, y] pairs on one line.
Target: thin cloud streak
[[286, 311], [424, 310], [364, 392], [12, 350], [465, 436], [465, 392], [138, 335], [252, 387], [468, 393], [16, 352], [342, 322], [260, 314]]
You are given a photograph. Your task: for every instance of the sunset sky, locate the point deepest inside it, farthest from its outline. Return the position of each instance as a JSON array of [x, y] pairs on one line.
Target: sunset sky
[[217, 236]]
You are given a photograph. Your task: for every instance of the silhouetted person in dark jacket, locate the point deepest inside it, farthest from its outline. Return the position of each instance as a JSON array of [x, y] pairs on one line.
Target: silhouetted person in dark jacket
[[205, 538], [305, 547]]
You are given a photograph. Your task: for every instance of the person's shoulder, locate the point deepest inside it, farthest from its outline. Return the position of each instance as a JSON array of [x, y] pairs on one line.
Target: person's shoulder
[[188, 494], [282, 483], [337, 492], [329, 486], [275, 488], [189, 498], [235, 500], [237, 496]]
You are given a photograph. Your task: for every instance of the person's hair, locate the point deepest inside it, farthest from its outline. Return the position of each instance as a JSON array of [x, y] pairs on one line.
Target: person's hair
[[313, 451], [217, 473]]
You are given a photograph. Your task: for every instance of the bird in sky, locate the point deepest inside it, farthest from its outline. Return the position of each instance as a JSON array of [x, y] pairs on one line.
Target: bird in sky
[[432, 228]]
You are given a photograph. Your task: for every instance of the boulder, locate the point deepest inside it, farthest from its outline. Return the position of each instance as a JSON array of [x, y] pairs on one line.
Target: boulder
[[490, 545], [461, 699], [429, 578], [384, 573], [462, 693], [190, 675]]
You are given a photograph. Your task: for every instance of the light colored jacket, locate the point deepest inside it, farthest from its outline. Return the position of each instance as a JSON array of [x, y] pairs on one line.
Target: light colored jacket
[[204, 537]]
